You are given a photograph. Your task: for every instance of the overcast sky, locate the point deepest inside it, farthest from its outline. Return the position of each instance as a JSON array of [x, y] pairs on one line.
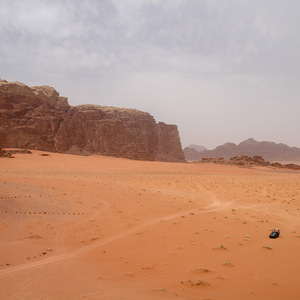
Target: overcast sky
[[222, 71]]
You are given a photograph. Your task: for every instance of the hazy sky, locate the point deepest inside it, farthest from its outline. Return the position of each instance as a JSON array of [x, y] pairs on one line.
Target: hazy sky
[[222, 71]]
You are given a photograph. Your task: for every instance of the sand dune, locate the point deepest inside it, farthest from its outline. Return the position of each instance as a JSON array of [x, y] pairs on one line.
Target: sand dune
[[76, 227]]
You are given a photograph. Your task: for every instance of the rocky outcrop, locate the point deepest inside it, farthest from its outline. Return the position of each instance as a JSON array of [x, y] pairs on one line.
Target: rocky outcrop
[[4, 153], [248, 161], [9, 153], [38, 118], [268, 150]]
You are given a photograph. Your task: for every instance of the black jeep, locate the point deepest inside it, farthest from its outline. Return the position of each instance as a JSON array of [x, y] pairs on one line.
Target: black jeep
[[274, 234]]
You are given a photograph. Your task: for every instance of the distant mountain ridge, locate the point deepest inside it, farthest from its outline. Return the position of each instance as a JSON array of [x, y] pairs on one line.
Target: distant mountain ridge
[[192, 152], [197, 147], [270, 151]]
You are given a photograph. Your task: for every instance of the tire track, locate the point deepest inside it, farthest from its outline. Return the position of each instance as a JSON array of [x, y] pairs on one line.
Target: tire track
[[215, 206]]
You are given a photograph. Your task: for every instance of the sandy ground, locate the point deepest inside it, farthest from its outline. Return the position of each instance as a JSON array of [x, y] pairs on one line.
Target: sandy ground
[[75, 227]]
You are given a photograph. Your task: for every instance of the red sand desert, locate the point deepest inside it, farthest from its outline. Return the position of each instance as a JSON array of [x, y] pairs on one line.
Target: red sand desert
[[94, 227]]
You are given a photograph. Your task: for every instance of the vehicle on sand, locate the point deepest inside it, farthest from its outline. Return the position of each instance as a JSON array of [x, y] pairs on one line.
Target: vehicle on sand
[[274, 234]]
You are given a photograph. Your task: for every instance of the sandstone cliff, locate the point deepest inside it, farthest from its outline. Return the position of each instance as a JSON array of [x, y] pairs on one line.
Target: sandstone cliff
[[38, 118]]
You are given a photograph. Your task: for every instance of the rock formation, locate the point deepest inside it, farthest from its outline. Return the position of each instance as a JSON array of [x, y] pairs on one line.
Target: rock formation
[[38, 118], [248, 161]]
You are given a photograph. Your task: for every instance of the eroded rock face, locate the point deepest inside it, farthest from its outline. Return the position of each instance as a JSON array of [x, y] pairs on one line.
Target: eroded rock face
[[38, 118]]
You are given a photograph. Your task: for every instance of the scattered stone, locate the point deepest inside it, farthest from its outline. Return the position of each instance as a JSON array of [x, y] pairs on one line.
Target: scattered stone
[[195, 283], [268, 247], [220, 248]]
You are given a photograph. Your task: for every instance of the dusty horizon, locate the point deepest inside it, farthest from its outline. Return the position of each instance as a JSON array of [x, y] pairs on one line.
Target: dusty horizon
[[95, 227], [236, 143], [221, 71]]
